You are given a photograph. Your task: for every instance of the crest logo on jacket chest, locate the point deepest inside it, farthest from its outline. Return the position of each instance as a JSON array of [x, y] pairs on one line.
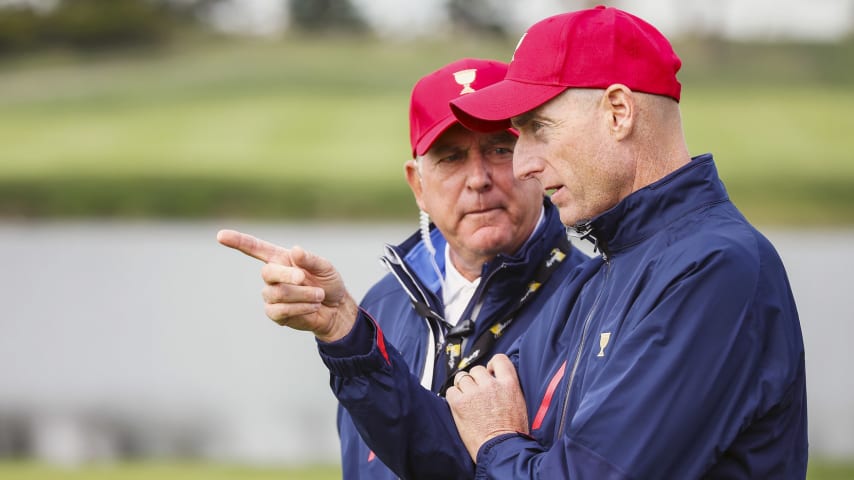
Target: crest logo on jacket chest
[[604, 338], [555, 256]]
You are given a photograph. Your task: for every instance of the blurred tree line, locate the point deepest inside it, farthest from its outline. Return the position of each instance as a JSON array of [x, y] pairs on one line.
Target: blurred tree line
[[89, 24], [28, 25], [110, 24]]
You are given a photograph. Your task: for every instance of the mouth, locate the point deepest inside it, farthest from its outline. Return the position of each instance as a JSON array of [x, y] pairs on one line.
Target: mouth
[[482, 211]]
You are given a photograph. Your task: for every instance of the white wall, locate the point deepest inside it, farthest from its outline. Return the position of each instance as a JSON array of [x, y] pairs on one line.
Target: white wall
[[819, 20], [155, 334]]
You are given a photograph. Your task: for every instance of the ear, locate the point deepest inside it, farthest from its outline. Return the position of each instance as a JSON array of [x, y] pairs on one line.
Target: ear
[[620, 106], [413, 178]]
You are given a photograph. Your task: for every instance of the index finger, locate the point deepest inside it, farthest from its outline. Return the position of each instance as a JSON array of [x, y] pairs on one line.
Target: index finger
[[254, 247]]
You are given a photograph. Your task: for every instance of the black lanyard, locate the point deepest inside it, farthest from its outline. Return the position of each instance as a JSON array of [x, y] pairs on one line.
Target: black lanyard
[[486, 341]]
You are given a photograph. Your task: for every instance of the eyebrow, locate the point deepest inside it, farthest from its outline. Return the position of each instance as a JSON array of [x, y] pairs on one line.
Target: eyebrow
[[499, 137], [494, 139], [444, 148], [520, 121]]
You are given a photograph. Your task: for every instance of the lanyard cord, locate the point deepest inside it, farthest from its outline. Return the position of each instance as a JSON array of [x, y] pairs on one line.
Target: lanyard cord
[[486, 341]]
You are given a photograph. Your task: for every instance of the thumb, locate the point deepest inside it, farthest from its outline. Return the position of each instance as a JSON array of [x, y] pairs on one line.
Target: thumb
[[314, 264], [323, 274]]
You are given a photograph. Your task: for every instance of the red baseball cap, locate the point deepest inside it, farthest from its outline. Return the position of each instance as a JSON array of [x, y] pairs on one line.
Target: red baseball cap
[[593, 48], [429, 115]]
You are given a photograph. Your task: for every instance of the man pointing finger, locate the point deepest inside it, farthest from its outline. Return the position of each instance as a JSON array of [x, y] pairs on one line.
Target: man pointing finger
[[303, 291]]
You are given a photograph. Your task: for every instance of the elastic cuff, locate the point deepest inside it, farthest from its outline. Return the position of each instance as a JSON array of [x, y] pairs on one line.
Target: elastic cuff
[[360, 352], [484, 453], [358, 340]]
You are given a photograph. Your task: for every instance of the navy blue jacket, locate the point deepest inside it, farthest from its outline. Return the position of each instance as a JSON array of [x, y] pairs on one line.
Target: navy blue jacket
[[677, 354], [504, 280]]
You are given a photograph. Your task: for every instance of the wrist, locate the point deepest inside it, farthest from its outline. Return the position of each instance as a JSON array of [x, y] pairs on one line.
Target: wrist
[[342, 321]]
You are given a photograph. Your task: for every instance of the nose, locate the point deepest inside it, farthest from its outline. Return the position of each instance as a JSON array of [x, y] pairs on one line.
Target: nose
[[525, 163], [479, 174]]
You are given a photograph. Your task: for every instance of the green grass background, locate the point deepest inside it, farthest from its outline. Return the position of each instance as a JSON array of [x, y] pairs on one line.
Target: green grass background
[[318, 128]]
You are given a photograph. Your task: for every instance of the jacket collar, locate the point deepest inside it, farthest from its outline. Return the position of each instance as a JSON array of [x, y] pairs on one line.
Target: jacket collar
[[651, 209], [417, 257]]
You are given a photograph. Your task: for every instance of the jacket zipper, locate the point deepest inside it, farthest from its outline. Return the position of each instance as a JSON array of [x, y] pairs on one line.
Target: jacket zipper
[[584, 333]]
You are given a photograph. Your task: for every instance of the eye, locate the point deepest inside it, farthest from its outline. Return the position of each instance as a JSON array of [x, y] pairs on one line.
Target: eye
[[503, 152], [498, 154], [536, 126], [451, 158]]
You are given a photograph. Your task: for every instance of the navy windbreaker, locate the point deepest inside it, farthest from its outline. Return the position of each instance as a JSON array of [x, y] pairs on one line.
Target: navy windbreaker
[[678, 354], [412, 278]]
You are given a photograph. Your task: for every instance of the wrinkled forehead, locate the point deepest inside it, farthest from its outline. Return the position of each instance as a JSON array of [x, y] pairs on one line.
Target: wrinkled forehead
[[572, 101]]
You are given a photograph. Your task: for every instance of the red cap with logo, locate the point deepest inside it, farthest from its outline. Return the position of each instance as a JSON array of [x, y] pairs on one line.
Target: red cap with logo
[[429, 115], [593, 48]]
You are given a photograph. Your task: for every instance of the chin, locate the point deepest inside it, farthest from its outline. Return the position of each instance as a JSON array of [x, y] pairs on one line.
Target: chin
[[507, 241], [569, 218], [491, 237]]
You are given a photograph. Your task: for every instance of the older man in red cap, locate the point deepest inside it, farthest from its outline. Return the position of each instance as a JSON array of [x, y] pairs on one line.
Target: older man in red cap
[[460, 289]]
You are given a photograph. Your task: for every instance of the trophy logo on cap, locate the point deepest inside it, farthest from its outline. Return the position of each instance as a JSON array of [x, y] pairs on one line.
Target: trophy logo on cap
[[465, 78]]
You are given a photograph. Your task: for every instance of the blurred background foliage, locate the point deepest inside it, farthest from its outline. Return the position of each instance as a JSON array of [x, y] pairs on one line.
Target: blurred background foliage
[[89, 25], [137, 108]]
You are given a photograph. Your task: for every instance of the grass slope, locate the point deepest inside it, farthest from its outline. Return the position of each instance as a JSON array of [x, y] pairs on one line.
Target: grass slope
[[318, 129]]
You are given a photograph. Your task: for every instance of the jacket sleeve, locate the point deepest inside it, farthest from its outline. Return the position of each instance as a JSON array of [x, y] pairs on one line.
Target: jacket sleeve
[[707, 351], [408, 427]]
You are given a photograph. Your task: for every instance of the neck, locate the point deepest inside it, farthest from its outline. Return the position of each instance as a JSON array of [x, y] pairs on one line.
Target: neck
[[469, 268], [660, 148], [654, 165]]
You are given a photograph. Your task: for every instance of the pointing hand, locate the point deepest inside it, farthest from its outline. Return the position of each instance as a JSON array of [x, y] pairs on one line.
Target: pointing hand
[[303, 291]]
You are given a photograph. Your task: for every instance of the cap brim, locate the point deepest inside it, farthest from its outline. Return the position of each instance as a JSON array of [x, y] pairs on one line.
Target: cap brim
[[423, 145], [431, 135], [491, 108]]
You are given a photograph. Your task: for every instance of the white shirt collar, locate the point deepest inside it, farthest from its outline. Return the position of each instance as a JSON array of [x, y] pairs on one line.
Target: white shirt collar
[[457, 291]]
